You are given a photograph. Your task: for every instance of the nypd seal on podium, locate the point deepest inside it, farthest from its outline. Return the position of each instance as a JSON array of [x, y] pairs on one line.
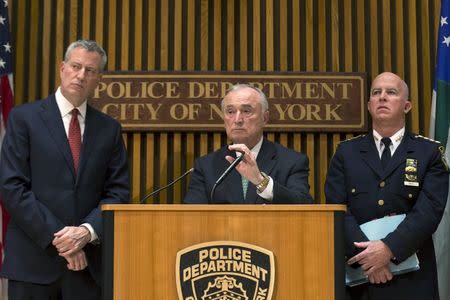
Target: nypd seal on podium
[[225, 270]]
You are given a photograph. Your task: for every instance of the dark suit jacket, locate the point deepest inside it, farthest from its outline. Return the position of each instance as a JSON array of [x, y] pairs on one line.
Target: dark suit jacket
[[288, 169], [42, 194], [356, 178]]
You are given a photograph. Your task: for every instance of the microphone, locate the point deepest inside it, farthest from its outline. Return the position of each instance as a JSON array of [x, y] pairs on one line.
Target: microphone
[[225, 174], [165, 187]]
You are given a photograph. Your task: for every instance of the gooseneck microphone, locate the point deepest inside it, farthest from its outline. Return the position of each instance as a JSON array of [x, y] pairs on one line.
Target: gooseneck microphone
[[225, 174], [165, 187]]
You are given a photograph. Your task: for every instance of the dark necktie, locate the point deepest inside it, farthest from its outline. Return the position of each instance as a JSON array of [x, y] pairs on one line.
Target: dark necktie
[[75, 138], [386, 155]]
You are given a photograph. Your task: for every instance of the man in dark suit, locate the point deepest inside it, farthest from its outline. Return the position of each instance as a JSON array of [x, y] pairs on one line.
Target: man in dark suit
[[268, 173], [60, 161], [390, 172]]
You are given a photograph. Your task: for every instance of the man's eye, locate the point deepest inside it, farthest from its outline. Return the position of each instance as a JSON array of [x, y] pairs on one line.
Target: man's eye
[[76, 67], [91, 71]]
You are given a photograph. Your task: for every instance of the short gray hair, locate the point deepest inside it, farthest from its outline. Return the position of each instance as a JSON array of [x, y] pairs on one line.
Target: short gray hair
[[405, 89], [240, 86], [90, 46]]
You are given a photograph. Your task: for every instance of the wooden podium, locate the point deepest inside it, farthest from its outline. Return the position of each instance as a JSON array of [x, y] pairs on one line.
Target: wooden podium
[[141, 243]]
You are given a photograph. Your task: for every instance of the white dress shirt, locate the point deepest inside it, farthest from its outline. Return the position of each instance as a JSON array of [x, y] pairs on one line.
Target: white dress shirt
[[65, 108], [268, 191], [396, 139]]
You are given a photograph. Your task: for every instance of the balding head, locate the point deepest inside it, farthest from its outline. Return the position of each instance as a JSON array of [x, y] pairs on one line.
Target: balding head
[[388, 103], [393, 77]]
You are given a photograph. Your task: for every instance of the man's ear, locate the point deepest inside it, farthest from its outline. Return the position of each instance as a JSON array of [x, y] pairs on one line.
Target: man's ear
[[408, 107], [61, 67], [266, 116]]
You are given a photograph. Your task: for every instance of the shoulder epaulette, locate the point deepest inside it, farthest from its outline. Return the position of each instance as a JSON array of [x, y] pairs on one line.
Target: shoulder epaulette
[[440, 148], [353, 138], [418, 136]]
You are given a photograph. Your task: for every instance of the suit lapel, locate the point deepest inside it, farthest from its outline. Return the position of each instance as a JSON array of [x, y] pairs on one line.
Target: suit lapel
[[266, 162], [89, 135], [399, 155], [370, 156], [51, 116], [231, 187]]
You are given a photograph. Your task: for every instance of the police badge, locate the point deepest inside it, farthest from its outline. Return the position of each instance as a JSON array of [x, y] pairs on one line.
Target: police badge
[[411, 172], [225, 270]]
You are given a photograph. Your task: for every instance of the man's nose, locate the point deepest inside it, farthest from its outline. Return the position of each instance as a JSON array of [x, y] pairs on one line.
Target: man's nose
[[239, 118], [382, 96], [81, 74]]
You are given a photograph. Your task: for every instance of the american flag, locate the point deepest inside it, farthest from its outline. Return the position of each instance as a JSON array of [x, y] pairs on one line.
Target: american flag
[[6, 103]]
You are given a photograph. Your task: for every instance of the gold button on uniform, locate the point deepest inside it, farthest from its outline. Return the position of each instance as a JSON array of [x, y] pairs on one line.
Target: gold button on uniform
[[382, 184], [381, 202]]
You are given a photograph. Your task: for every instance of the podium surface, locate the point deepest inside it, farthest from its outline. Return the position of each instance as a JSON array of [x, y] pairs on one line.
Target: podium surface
[[141, 243]]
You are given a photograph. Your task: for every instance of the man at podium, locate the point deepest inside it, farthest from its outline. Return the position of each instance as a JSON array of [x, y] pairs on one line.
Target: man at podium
[[267, 173], [389, 172]]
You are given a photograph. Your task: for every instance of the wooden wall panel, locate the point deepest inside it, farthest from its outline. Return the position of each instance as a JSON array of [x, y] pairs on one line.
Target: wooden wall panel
[[257, 35]]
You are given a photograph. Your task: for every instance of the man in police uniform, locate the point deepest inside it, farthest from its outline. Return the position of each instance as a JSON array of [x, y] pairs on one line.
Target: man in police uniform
[[389, 172]]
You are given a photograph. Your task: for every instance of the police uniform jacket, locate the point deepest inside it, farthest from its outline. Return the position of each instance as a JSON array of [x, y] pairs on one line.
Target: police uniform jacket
[[356, 178]]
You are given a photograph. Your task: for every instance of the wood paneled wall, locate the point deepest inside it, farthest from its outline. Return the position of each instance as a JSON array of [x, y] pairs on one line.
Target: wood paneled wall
[[250, 35]]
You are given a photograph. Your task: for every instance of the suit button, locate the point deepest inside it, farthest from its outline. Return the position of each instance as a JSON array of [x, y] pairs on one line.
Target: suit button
[[382, 184], [381, 202], [410, 196], [353, 190]]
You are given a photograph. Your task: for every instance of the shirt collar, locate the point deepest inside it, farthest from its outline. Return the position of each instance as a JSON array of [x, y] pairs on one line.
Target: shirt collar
[[396, 138], [65, 107], [255, 149]]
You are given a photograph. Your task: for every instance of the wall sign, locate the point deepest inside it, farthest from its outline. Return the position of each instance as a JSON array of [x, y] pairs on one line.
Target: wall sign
[[190, 101]]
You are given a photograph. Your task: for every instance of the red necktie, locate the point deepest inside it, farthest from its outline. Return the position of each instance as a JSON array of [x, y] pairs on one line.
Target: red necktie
[[75, 138]]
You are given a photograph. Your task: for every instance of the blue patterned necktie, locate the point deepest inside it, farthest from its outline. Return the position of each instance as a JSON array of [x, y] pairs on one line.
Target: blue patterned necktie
[[244, 186], [386, 155]]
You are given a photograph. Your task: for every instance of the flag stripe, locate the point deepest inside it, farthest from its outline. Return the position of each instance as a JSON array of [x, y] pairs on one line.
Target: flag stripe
[[6, 97], [442, 111]]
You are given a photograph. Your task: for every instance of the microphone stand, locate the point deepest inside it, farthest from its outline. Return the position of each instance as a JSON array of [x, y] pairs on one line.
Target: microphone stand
[[165, 187], [225, 174]]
